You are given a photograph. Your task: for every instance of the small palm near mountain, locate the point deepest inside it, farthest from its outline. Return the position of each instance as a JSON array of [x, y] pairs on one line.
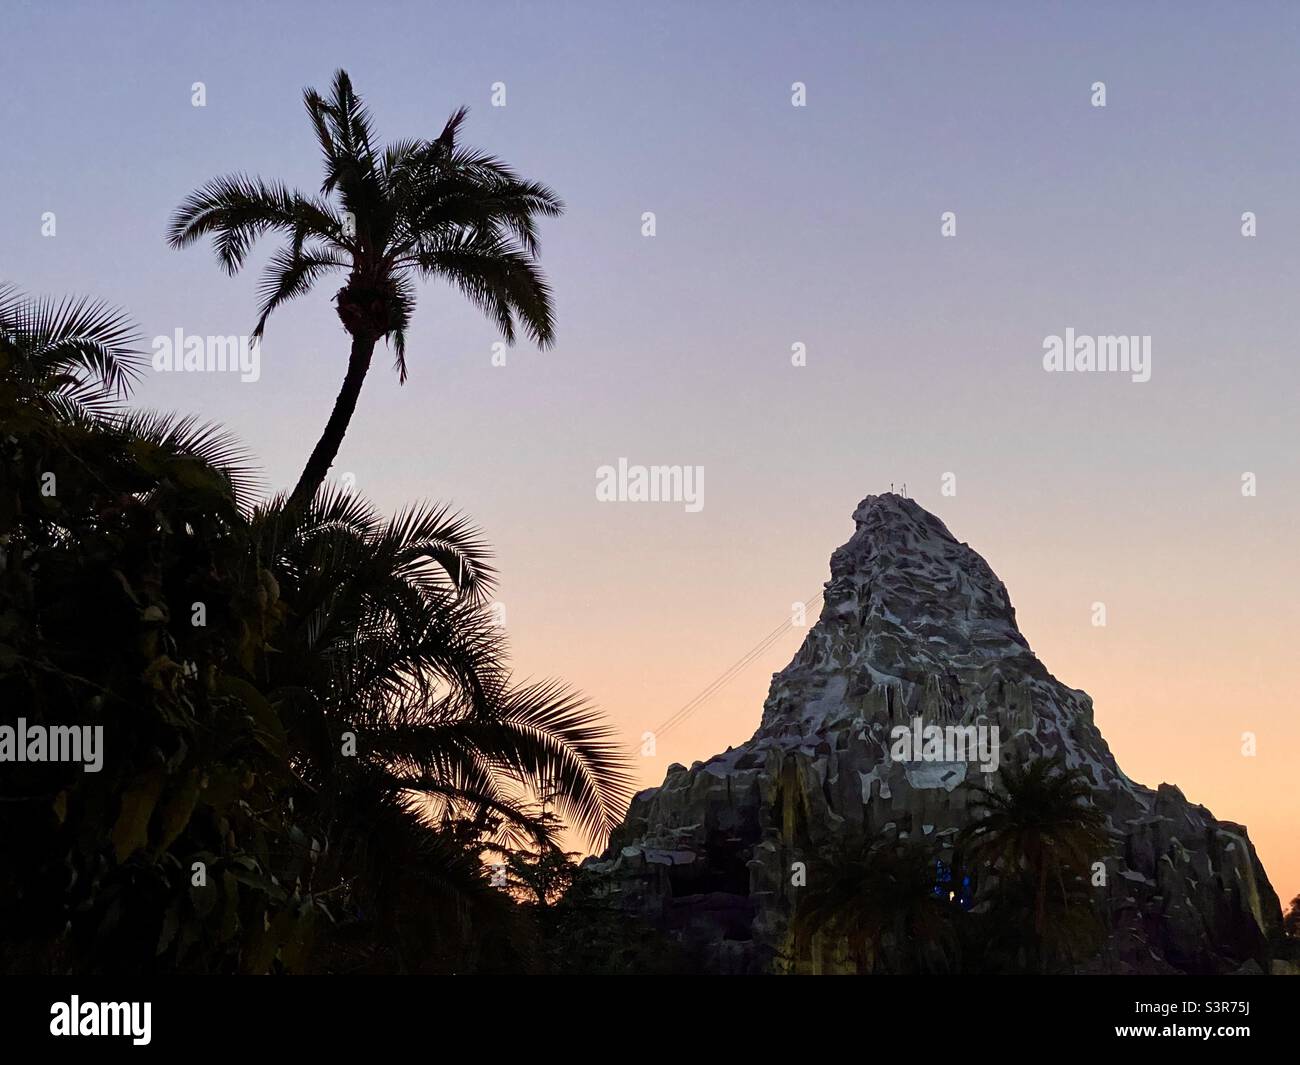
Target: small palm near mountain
[[1032, 847], [877, 897], [1040, 835]]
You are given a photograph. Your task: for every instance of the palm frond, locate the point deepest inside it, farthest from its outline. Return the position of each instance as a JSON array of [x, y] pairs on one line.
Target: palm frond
[[556, 742], [500, 279], [192, 438], [290, 273], [438, 547], [238, 209], [84, 349], [401, 308]]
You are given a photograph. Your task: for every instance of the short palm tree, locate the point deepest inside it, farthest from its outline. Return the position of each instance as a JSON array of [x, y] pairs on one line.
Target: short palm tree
[[387, 637], [71, 357], [416, 209], [1041, 824], [67, 366], [877, 898], [1072, 928]]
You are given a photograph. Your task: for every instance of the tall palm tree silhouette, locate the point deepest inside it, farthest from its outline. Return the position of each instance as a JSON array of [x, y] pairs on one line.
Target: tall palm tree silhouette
[[415, 209]]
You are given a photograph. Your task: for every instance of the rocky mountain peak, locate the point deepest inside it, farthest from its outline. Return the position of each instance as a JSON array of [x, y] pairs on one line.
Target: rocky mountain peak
[[911, 565], [916, 628], [908, 609]]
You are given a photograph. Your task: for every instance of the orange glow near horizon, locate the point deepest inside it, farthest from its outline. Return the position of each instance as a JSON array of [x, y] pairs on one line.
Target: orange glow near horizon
[[1175, 677]]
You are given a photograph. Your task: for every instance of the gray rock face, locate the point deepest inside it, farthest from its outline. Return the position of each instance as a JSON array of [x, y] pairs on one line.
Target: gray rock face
[[916, 625]]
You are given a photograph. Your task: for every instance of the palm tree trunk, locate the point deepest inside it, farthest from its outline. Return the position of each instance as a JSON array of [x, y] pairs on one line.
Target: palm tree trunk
[[327, 448]]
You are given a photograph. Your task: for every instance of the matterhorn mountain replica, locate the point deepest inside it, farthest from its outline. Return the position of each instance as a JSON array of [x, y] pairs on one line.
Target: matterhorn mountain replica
[[917, 631]]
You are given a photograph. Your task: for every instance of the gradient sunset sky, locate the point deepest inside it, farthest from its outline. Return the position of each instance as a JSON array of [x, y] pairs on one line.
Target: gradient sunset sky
[[776, 225]]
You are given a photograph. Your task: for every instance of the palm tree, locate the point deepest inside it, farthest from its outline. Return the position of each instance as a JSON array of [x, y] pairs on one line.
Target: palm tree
[[320, 620], [877, 897], [416, 209], [1042, 824], [387, 637], [1002, 940], [71, 358], [67, 367], [111, 521]]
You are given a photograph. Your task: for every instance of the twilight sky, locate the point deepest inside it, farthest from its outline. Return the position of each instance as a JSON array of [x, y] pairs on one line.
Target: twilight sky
[[775, 225]]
